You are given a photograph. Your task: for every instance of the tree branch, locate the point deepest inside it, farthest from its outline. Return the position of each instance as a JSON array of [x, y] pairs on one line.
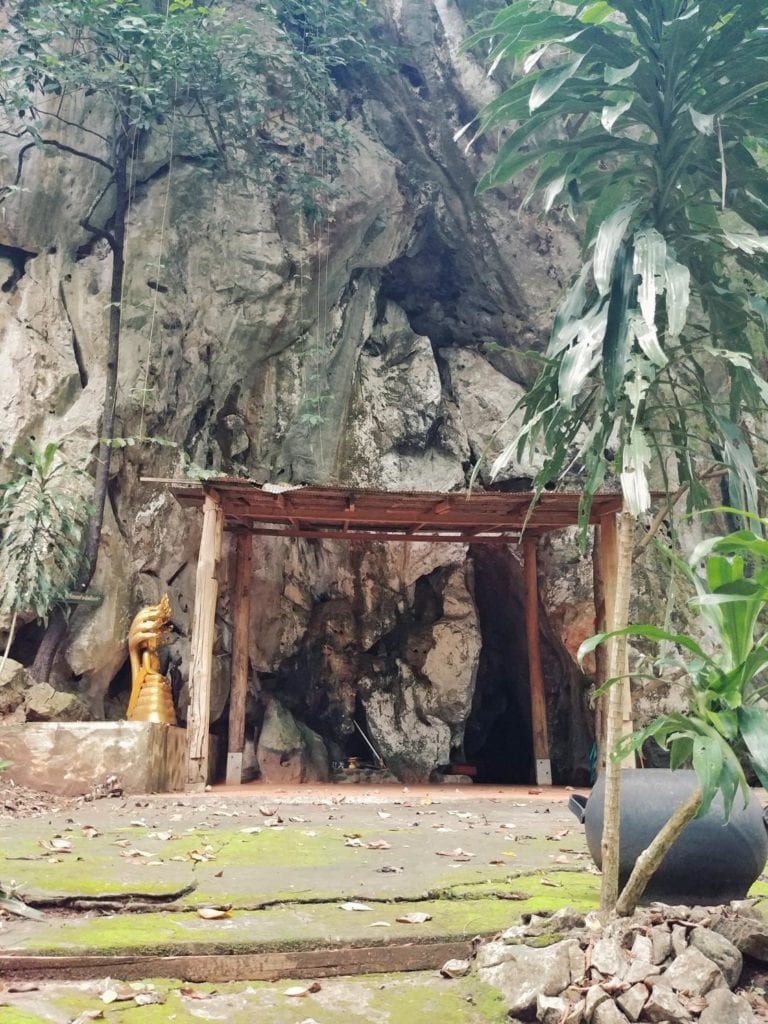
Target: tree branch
[[652, 856]]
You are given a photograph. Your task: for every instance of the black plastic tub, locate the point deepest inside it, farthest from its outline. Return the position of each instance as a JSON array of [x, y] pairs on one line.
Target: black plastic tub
[[712, 862]]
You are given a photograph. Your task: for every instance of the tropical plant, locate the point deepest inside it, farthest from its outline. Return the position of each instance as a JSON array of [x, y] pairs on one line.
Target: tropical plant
[[236, 95], [645, 121], [42, 518], [726, 705]]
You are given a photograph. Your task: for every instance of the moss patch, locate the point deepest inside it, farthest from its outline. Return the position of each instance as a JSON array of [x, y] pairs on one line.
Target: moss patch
[[376, 999], [283, 928]]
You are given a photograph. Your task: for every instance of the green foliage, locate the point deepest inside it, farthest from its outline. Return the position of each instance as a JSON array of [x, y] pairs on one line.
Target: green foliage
[[229, 84], [649, 122], [726, 705], [42, 516]]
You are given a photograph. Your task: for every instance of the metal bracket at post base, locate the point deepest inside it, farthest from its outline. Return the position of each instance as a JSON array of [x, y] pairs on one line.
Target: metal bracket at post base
[[543, 772], [234, 769]]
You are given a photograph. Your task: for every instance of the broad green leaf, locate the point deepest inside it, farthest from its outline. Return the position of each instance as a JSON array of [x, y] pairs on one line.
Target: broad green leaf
[[708, 765], [647, 339], [749, 242], [616, 341], [551, 80], [753, 722], [636, 460], [650, 261], [583, 355], [609, 238], [704, 123], [677, 280], [738, 457], [615, 75], [649, 633], [680, 751], [610, 115]]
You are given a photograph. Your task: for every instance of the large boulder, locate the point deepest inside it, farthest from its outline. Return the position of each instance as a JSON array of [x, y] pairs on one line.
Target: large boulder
[[523, 973], [289, 752], [411, 742]]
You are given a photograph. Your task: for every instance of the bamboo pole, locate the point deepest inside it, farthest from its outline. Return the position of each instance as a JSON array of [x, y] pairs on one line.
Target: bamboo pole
[[535, 674], [241, 602], [203, 623]]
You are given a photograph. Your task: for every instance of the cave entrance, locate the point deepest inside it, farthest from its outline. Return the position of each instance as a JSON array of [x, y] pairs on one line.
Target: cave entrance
[[481, 519], [498, 739]]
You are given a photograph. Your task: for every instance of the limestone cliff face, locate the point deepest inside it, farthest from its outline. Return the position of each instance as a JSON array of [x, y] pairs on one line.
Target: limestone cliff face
[[381, 347]]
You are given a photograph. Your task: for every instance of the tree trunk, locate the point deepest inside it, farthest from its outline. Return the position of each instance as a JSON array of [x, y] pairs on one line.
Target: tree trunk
[[619, 616], [653, 855], [57, 628]]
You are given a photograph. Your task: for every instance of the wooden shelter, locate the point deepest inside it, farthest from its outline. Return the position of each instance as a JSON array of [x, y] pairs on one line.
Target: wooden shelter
[[248, 509]]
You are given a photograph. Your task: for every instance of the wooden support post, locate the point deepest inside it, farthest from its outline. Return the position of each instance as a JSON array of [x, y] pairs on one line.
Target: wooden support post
[[607, 539], [203, 623], [241, 616], [535, 675]]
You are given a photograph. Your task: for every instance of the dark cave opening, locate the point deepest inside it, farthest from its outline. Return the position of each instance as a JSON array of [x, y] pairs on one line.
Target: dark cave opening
[[498, 739]]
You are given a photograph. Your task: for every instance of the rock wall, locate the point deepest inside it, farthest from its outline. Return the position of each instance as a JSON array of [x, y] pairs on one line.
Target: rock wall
[[382, 347]]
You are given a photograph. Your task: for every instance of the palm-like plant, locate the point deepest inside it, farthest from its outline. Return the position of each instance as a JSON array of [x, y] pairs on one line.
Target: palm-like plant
[[726, 705], [42, 518], [650, 116]]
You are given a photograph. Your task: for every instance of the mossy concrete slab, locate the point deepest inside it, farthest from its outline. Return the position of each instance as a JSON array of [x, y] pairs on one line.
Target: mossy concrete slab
[[376, 999], [317, 851]]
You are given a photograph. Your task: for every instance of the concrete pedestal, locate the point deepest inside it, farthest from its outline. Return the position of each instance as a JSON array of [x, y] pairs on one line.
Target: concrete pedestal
[[71, 758]]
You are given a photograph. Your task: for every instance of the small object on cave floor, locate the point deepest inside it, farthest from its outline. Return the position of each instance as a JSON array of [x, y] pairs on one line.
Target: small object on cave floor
[[353, 763]]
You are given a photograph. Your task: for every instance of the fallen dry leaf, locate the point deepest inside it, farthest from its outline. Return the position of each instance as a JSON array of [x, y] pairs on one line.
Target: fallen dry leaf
[[195, 993], [551, 884], [21, 986], [268, 811], [298, 820], [380, 924], [354, 906], [455, 968], [418, 917], [251, 830], [203, 855], [57, 845], [351, 841], [90, 832], [147, 998], [303, 990], [521, 896], [117, 995], [378, 844], [457, 854], [162, 836], [87, 1015], [384, 814], [213, 913]]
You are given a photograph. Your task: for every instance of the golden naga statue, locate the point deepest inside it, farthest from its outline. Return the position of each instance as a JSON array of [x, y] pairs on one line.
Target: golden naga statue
[[151, 699]]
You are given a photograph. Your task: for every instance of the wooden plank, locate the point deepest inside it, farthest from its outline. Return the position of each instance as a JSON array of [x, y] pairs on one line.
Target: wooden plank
[[203, 629], [535, 674], [373, 536], [241, 619], [221, 967]]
